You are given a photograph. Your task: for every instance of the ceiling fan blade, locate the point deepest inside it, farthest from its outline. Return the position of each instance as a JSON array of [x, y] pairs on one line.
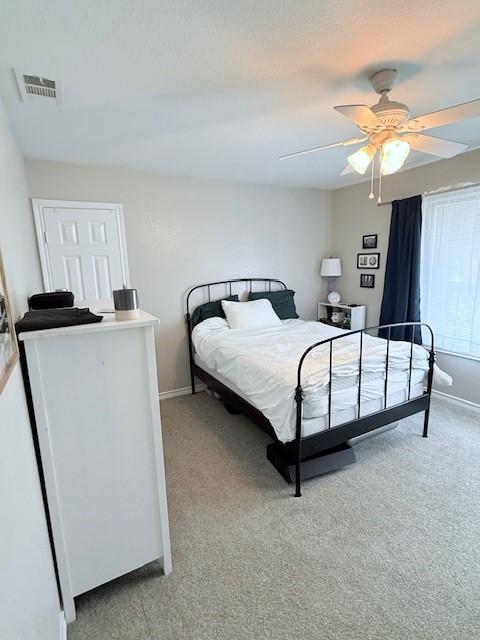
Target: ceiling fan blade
[[343, 143], [362, 115], [348, 169], [435, 146], [445, 116]]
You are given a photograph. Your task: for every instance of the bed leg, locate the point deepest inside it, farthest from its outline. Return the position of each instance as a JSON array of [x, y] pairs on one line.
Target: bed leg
[[298, 492], [431, 365], [425, 421], [190, 349], [298, 441]]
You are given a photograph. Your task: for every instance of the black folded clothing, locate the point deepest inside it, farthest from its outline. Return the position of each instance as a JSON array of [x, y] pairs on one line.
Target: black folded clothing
[[38, 319], [51, 300]]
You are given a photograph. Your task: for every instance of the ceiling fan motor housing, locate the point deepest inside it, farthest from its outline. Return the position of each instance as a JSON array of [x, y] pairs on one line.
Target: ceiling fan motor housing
[[392, 114]]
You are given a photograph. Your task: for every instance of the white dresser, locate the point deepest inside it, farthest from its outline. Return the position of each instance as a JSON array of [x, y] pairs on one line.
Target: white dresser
[[95, 395]]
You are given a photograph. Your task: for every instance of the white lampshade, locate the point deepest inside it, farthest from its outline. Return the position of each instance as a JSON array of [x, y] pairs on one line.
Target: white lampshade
[[394, 153], [331, 267], [361, 159]]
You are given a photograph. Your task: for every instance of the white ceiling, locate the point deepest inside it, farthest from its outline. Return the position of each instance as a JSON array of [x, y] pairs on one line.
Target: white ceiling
[[220, 89]]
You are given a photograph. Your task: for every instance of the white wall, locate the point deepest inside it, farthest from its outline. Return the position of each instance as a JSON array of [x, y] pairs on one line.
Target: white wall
[[181, 232], [29, 605], [355, 215]]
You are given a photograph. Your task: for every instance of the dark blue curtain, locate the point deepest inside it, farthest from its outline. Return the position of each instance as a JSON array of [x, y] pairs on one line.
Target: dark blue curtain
[[401, 292]]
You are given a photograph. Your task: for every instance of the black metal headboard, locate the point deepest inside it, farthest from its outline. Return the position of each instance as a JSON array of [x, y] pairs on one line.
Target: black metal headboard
[[268, 282], [249, 281]]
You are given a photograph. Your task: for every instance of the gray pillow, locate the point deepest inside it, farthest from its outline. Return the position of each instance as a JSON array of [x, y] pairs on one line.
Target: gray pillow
[[210, 310], [282, 302]]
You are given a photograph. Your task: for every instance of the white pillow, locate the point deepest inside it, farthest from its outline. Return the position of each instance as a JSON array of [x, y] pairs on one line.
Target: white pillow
[[255, 314]]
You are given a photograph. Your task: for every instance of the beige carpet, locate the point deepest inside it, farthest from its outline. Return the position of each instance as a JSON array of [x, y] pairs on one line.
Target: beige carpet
[[388, 548]]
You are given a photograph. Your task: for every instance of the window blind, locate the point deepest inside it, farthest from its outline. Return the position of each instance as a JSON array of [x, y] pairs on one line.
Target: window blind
[[450, 269]]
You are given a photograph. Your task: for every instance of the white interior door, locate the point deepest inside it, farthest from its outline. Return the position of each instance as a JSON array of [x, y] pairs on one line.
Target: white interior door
[[82, 249]]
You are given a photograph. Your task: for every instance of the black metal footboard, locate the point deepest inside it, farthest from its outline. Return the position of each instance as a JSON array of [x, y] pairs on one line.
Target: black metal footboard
[[333, 436]]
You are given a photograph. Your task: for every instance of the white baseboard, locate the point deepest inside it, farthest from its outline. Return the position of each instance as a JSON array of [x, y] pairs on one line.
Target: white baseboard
[[184, 391], [456, 398], [62, 627]]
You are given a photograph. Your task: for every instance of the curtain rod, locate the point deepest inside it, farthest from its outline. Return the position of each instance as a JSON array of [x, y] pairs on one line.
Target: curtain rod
[[440, 190]]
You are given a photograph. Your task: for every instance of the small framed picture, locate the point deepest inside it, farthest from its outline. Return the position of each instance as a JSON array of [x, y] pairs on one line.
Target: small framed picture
[[368, 261], [370, 241], [367, 280]]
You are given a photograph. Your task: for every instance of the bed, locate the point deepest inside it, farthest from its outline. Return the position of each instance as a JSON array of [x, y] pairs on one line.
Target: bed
[[311, 386]]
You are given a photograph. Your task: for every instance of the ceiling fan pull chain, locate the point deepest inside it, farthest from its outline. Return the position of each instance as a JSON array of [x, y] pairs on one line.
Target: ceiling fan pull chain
[[372, 195], [380, 189]]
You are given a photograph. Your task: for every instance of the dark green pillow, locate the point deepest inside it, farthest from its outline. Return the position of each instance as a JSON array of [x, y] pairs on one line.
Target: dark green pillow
[[282, 302], [210, 310]]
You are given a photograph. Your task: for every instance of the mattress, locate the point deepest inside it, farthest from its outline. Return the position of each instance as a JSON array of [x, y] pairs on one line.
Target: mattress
[[397, 393], [260, 365]]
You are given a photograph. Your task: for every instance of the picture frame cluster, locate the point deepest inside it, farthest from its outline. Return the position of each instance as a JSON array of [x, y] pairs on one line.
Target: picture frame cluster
[[368, 261]]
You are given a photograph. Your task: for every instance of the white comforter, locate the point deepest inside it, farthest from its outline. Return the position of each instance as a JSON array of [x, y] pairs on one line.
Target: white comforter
[[263, 364]]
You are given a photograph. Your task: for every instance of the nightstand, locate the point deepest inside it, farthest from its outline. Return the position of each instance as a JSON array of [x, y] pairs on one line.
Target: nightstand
[[354, 315]]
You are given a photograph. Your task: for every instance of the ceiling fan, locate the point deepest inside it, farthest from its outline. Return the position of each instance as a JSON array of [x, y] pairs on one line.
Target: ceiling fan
[[389, 130]]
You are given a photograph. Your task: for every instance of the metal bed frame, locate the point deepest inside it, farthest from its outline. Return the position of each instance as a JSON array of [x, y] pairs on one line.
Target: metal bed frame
[[304, 449]]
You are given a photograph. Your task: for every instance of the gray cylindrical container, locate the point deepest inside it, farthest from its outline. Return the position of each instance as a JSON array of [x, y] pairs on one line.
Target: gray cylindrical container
[[126, 304]]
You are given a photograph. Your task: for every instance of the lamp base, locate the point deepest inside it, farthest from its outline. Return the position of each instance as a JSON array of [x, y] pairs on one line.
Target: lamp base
[[334, 297]]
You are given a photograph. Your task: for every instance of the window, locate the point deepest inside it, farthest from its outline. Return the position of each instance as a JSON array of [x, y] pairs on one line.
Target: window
[[450, 270]]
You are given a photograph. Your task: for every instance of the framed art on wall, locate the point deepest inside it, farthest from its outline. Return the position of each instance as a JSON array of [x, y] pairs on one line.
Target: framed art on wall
[[8, 340], [367, 280], [368, 261], [370, 241]]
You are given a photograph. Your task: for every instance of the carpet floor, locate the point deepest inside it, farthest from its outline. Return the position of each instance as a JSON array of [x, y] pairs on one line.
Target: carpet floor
[[387, 548]]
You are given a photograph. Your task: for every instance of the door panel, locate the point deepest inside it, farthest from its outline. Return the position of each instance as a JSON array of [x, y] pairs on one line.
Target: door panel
[[102, 279], [83, 249], [98, 234], [73, 276]]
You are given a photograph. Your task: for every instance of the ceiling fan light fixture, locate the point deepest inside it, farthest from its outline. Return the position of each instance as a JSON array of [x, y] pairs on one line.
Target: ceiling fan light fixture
[[361, 159], [394, 153]]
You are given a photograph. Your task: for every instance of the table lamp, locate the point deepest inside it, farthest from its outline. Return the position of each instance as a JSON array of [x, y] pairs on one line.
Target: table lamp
[[331, 268]]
